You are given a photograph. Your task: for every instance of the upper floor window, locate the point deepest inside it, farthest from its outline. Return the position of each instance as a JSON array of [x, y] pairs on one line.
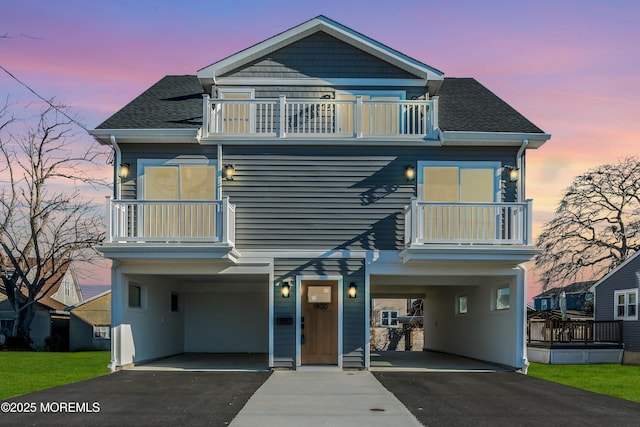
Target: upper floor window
[[458, 181], [66, 285], [626, 304]]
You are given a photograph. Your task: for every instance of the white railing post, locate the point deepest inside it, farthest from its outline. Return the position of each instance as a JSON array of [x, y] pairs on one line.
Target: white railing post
[[108, 227], [416, 220], [224, 210], [282, 105], [434, 115], [528, 222], [205, 115], [358, 117]]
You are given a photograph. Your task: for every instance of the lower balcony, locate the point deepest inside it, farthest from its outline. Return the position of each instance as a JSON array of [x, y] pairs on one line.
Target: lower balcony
[[204, 226], [481, 231]]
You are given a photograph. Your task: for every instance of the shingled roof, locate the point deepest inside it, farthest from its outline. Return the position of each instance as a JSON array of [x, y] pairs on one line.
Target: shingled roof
[[175, 102], [466, 105]]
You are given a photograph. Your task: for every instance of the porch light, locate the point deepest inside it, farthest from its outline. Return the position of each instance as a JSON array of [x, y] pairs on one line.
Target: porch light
[[409, 173], [514, 173], [286, 290], [228, 171], [123, 170], [353, 290]]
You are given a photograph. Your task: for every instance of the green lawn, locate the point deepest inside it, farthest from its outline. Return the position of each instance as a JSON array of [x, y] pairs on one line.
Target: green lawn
[[23, 371], [621, 381]]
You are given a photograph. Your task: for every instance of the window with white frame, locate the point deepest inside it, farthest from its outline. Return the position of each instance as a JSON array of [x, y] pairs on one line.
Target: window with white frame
[[135, 296], [66, 285], [102, 332], [626, 304], [503, 298], [462, 304], [389, 318]]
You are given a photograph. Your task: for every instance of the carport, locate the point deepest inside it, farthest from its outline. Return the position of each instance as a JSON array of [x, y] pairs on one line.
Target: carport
[[479, 335]]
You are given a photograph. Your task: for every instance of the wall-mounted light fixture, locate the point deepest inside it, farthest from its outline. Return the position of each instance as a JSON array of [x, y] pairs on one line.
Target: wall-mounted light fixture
[[123, 170], [285, 289], [514, 173], [228, 171], [353, 290], [410, 173]]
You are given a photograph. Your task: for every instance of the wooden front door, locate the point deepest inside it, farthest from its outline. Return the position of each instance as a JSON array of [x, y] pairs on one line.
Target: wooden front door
[[319, 322]]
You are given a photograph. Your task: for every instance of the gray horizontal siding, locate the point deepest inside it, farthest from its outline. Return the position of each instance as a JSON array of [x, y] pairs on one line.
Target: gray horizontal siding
[[353, 340], [319, 55], [320, 198], [624, 278]]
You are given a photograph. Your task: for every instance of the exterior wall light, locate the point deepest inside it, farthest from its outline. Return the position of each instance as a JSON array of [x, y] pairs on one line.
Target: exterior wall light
[[410, 173], [353, 290], [285, 290], [228, 171], [123, 170], [514, 173]]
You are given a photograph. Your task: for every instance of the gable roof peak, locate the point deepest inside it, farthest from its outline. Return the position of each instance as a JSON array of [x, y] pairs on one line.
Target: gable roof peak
[[320, 23]]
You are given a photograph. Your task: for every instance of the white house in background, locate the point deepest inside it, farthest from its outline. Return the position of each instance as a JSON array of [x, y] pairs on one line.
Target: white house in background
[[261, 203]]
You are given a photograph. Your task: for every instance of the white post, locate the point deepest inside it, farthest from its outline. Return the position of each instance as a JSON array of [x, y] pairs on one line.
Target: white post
[[108, 237], [358, 117], [283, 116], [529, 220], [434, 114], [205, 115], [224, 213]]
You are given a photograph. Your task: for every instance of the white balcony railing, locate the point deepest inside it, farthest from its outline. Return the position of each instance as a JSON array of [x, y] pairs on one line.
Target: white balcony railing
[[468, 223], [308, 118], [171, 221]]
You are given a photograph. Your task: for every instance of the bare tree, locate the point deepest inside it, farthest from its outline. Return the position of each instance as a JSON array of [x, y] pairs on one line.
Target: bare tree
[[596, 225], [46, 222]]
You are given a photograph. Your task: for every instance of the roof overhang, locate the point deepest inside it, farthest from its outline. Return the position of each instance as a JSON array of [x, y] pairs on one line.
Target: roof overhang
[[145, 135], [497, 256], [504, 139], [434, 77]]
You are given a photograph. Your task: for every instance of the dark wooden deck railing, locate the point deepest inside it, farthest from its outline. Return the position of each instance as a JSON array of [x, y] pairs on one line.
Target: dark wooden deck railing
[[574, 331]]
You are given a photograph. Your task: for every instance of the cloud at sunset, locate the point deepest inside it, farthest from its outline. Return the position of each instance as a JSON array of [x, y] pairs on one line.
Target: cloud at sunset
[[570, 67]]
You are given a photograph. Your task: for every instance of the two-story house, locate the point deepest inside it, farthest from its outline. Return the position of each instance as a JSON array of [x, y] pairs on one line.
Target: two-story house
[[260, 204]]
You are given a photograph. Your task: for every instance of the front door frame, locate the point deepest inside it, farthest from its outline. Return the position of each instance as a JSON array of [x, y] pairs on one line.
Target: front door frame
[[299, 280]]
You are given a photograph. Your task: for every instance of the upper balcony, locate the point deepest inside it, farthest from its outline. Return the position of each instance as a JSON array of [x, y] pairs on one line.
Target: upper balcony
[[319, 118], [479, 231], [165, 224]]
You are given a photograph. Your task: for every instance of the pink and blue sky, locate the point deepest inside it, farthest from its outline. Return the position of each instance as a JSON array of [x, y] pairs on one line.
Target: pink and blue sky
[[571, 66]]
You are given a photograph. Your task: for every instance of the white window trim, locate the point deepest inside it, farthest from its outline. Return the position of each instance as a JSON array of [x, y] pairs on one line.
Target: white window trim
[[107, 328], [143, 297], [626, 293], [458, 299], [496, 166], [495, 299], [179, 161], [390, 318]]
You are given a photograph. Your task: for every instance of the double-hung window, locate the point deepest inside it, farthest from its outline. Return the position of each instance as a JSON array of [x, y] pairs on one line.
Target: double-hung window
[[389, 318], [626, 304]]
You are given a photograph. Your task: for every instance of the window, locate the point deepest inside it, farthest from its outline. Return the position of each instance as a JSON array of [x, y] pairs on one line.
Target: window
[[502, 299], [544, 304], [175, 303], [135, 296], [626, 304], [389, 318], [462, 304], [102, 332], [66, 284]]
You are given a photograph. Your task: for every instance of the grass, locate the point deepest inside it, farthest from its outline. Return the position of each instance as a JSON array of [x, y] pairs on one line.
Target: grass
[[24, 371], [621, 381]]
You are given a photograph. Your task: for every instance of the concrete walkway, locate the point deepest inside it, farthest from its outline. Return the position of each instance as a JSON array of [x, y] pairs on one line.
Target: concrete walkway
[[304, 398]]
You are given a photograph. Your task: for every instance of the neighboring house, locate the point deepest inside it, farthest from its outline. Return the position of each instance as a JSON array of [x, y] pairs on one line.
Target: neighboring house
[[396, 324], [616, 298], [90, 323], [578, 294], [50, 320], [260, 204]]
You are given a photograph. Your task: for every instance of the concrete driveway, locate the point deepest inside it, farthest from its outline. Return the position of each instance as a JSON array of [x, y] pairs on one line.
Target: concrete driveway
[[144, 398]]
